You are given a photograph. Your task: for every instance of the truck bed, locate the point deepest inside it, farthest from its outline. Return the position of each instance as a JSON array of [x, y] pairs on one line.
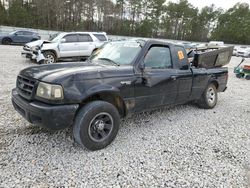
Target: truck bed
[[212, 57]]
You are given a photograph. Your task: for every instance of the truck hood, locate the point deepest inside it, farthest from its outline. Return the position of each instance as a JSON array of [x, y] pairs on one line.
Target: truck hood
[[57, 73], [37, 43]]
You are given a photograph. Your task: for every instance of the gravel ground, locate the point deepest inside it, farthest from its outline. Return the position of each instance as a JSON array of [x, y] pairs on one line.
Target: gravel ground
[[179, 147]]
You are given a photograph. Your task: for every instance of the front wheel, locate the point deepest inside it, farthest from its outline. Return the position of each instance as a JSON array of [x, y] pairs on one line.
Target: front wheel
[[209, 98], [96, 125], [50, 57], [6, 41]]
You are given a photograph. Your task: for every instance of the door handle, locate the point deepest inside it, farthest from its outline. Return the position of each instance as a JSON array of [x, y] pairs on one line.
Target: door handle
[[173, 77]]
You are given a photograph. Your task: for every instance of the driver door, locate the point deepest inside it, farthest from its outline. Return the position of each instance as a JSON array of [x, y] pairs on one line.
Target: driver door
[[157, 86], [70, 47]]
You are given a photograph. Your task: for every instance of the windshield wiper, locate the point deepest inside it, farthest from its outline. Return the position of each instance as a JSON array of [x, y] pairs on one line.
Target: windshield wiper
[[109, 60]]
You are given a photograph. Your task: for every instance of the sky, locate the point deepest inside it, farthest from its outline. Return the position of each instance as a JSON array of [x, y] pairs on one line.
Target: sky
[[225, 4]]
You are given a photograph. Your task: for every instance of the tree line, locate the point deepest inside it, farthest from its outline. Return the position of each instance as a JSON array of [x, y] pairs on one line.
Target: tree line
[[144, 18]]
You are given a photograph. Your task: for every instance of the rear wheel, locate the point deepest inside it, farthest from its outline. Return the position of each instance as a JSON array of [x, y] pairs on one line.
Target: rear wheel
[[96, 125], [50, 57], [209, 98], [6, 41]]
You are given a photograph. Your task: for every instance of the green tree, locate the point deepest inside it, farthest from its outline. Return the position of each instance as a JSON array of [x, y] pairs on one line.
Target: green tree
[[204, 23], [178, 20], [3, 14], [234, 25], [19, 14]]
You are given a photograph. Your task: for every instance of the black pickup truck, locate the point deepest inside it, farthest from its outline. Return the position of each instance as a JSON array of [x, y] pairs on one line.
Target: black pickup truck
[[121, 78]]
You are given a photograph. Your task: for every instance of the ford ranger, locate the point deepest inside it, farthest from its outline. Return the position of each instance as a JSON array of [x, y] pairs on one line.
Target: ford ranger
[[122, 78]]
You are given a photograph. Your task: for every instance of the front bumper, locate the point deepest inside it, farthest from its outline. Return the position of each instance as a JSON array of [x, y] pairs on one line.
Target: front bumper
[[54, 117], [28, 54]]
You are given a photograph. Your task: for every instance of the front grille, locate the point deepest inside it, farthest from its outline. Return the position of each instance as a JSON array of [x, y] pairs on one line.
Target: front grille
[[25, 86]]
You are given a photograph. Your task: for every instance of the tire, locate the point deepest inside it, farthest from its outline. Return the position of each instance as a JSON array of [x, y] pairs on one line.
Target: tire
[[209, 98], [96, 125], [6, 41], [247, 77], [238, 75], [50, 57]]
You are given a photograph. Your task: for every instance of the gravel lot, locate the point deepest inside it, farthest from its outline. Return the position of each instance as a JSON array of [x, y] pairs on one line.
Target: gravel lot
[[179, 147]]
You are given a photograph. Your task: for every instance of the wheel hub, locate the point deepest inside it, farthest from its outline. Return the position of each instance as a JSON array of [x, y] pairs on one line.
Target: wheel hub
[[100, 125], [211, 95]]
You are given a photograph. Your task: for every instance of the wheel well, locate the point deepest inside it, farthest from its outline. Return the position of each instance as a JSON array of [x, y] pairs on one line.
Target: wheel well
[[216, 84], [112, 98], [7, 38], [52, 51]]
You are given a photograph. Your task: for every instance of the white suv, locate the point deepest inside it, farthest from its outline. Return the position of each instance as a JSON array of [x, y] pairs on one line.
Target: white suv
[[65, 45]]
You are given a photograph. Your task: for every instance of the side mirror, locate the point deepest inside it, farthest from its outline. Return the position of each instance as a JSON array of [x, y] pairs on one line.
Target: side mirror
[[63, 40]]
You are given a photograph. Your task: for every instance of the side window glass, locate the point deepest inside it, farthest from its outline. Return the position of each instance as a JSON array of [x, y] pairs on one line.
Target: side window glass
[[71, 38], [19, 33], [158, 57], [26, 33], [100, 37], [85, 38], [90, 39]]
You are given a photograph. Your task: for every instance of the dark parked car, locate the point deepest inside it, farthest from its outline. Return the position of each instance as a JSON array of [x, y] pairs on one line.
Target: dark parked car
[[120, 79], [19, 37]]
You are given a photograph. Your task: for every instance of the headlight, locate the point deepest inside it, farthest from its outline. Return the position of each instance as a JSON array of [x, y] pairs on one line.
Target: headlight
[[48, 91]]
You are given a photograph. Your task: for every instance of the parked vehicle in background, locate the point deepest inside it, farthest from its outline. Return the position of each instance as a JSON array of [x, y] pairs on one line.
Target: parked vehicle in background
[[188, 46], [19, 37], [243, 51], [215, 44], [64, 46], [235, 50], [120, 79]]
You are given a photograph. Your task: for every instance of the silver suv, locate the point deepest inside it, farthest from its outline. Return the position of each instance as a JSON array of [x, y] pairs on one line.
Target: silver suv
[[65, 45]]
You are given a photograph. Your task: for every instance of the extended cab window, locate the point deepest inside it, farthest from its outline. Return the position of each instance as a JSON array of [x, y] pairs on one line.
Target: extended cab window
[[85, 38], [158, 57], [71, 38]]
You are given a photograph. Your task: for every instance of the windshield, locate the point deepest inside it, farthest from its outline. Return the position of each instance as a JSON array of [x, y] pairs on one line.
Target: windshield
[[56, 38], [13, 32], [53, 36], [119, 53]]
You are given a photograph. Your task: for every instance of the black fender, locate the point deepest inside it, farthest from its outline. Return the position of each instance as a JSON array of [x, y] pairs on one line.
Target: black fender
[[213, 80], [107, 93], [101, 89]]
